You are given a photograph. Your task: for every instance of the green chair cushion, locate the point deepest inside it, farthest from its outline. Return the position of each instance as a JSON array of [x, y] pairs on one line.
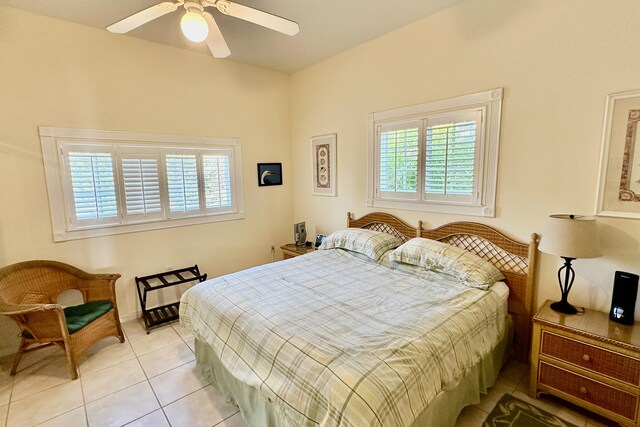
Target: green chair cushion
[[79, 316]]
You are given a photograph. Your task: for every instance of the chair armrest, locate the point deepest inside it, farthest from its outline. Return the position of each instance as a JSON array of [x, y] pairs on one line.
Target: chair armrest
[[10, 309], [43, 321]]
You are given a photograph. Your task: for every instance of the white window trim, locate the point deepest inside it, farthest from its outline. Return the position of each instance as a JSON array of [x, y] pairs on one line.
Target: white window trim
[[50, 138], [491, 100]]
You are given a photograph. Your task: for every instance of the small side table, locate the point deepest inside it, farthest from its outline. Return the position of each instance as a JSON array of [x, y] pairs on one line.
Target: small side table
[[291, 250], [587, 360]]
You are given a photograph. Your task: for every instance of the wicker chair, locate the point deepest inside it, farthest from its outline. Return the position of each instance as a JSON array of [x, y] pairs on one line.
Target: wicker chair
[[28, 293]]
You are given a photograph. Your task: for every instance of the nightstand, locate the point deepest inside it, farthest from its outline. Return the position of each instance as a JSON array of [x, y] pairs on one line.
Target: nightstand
[[587, 360], [291, 250]]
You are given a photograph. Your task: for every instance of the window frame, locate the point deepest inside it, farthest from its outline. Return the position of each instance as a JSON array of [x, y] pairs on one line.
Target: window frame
[[489, 103], [58, 179]]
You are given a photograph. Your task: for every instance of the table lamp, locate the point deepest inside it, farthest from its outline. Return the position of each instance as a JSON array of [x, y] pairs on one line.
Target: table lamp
[[570, 237]]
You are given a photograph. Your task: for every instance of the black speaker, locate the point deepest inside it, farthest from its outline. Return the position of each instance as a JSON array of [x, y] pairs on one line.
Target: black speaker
[[623, 302]]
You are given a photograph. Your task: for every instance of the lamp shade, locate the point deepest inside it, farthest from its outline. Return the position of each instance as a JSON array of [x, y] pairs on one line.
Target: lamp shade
[[571, 236]]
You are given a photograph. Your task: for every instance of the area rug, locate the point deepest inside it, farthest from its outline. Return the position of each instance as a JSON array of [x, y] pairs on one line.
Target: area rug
[[513, 412]]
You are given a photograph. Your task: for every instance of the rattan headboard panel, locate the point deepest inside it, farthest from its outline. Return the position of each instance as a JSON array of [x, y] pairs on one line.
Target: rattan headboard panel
[[387, 223], [503, 260]]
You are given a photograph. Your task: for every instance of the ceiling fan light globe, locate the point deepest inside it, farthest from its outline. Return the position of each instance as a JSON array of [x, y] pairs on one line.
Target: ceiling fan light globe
[[194, 27]]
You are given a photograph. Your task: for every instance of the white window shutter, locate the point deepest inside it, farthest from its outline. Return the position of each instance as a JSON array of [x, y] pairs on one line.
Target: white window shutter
[[140, 170], [91, 185], [398, 157], [452, 151], [183, 193], [216, 165]]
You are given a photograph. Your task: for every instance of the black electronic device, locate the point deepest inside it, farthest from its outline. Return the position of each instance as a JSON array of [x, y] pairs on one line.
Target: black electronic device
[[320, 238], [300, 234], [623, 301]]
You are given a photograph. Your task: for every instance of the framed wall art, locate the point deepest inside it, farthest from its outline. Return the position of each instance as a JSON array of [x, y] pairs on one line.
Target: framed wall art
[[269, 174], [619, 182], [323, 150]]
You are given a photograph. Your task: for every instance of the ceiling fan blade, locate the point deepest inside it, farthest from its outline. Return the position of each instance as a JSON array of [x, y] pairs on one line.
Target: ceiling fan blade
[[149, 14], [259, 17], [215, 40]]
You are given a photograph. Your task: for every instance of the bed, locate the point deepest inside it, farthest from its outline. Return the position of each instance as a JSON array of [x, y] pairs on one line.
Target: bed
[[334, 338]]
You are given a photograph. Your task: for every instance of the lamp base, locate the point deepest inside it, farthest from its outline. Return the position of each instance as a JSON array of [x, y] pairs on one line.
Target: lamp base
[[563, 307]]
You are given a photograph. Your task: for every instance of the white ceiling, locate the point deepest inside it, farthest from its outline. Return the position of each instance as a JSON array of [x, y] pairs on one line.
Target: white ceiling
[[327, 27]]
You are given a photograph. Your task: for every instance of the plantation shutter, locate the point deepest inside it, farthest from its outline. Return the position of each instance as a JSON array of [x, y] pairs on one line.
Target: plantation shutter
[[216, 168], [452, 152], [183, 190], [141, 183], [91, 187], [398, 157]]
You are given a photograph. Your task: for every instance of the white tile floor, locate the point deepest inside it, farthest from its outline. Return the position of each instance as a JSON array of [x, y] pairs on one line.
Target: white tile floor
[[150, 380]]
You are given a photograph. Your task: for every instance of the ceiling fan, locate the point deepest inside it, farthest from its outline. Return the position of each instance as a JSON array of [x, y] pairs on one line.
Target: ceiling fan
[[198, 25]]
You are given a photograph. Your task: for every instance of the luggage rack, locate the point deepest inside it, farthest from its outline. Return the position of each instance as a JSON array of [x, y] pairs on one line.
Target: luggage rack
[[156, 316]]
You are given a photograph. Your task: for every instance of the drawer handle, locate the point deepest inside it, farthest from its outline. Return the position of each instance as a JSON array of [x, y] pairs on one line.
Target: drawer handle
[[586, 357], [583, 390]]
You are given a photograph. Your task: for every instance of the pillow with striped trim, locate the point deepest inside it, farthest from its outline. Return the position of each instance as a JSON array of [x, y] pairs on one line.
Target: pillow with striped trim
[[368, 242], [468, 268]]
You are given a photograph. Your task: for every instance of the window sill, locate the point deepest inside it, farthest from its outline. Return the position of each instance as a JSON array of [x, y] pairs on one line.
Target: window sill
[[109, 230], [446, 208]]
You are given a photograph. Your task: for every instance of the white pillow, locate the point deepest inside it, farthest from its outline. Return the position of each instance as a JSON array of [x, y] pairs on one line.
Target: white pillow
[[368, 242], [468, 268]]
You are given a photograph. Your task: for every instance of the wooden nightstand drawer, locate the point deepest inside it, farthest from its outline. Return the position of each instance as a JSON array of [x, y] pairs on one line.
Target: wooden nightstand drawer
[[590, 391], [291, 250], [589, 357]]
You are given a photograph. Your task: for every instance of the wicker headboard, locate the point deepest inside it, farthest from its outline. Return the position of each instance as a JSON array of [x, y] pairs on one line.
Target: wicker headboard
[[388, 223], [514, 259]]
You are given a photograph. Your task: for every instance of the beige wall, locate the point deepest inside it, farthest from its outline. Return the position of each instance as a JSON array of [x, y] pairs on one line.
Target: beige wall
[[557, 60], [58, 74]]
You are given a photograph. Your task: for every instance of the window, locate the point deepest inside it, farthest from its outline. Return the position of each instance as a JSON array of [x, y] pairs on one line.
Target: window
[[439, 157], [103, 183]]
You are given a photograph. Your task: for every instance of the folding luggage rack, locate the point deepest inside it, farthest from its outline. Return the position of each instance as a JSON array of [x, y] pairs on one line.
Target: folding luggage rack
[[156, 316]]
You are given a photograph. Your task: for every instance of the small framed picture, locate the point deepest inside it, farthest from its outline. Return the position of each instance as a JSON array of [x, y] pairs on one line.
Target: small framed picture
[[269, 174], [324, 165]]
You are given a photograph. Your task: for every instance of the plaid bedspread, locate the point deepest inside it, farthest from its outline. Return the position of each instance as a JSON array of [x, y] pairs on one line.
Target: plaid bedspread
[[333, 340]]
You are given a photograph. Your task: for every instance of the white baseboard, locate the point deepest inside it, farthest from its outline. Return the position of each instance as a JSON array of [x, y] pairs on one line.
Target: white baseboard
[[132, 316]]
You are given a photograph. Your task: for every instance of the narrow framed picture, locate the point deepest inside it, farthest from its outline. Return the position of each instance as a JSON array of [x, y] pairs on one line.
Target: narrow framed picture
[[619, 183], [269, 174], [323, 150]]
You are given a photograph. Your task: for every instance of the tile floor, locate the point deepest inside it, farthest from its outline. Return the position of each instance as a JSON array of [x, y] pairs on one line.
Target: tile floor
[[150, 380]]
